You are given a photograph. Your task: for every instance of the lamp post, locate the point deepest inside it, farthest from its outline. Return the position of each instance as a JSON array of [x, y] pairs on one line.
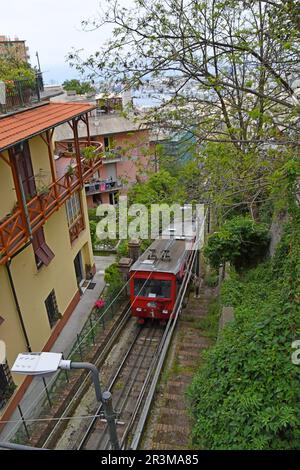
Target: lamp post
[[44, 363]]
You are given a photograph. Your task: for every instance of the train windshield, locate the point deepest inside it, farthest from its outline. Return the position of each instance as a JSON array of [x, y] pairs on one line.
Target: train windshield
[[153, 288]]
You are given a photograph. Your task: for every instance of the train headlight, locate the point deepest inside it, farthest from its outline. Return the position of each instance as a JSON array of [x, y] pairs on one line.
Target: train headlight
[[165, 311], [138, 309]]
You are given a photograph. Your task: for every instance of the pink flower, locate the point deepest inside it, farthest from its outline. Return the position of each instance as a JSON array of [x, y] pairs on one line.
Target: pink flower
[[99, 303]]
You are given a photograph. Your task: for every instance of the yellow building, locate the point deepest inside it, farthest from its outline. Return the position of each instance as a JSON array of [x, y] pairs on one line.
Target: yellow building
[[45, 246]]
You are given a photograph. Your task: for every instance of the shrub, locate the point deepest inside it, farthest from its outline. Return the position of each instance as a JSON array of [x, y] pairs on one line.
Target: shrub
[[241, 241], [93, 227], [112, 275]]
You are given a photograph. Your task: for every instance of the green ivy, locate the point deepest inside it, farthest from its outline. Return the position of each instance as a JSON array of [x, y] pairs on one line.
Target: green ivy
[[247, 393]]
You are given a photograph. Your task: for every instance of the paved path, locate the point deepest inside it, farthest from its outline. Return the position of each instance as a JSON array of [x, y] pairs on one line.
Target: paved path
[[64, 341]]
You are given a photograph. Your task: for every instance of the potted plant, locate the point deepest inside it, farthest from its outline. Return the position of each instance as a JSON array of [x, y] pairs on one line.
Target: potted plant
[[89, 153], [69, 171], [42, 192]]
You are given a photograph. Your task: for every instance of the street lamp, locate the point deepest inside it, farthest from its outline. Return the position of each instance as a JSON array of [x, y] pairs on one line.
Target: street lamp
[[45, 363]]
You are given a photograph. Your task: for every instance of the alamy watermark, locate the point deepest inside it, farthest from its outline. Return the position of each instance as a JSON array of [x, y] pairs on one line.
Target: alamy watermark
[[140, 222], [296, 354]]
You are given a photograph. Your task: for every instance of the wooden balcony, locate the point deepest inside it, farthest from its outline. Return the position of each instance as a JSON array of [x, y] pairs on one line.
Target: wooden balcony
[[16, 228], [76, 228]]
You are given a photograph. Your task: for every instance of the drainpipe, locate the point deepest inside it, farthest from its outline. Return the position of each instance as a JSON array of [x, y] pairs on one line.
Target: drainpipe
[[13, 289]]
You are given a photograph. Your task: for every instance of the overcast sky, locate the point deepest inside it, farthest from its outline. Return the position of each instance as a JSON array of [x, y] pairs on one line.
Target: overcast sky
[[51, 27]]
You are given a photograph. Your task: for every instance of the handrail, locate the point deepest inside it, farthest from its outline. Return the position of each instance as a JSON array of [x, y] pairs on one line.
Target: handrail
[[66, 145]]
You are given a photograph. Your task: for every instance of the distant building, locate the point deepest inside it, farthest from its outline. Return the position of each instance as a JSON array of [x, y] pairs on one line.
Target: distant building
[[14, 48], [126, 144]]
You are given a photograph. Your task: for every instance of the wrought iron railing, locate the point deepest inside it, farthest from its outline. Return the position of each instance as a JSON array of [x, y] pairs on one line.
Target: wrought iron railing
[[20, 94]]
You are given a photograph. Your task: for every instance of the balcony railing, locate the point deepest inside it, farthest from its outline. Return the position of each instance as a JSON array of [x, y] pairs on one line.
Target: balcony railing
[[20, 94], [14, 230], [102, 186]]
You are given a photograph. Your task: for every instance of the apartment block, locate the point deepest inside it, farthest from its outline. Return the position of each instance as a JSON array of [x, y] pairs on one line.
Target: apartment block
[[127, 155], [13, 49]]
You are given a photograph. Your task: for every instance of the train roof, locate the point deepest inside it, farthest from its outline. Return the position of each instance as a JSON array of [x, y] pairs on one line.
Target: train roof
[[153, 258], [167, 252]]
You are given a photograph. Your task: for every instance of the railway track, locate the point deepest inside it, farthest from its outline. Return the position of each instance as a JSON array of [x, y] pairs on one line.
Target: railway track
[[134, 382], [127, 385], [110, 340]]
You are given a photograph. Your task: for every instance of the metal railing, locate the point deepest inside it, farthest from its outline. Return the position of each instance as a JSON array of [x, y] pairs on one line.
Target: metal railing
[[60, 390], [102, 186], [21, 94]]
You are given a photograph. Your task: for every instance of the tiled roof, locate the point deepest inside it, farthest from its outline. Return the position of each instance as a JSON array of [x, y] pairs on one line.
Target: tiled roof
[[21, 126]]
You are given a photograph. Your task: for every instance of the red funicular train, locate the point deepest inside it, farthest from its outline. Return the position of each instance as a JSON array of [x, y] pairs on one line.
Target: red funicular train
[[156, 277]]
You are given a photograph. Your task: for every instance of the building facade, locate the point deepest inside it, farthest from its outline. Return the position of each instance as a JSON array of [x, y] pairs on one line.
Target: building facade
[[45, 246], [127, 155], [13, 49]]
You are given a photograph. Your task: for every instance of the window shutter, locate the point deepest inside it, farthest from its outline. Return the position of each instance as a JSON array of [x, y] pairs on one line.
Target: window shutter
[[43, 253]]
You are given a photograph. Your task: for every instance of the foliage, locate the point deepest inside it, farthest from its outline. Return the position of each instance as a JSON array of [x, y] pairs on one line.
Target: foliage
[[81, 88], [228, 68], [93, 228], [70, 170], [16, 70], [122, 250], [89, 152], [211, 279], [227, 64], [247, 394], [160, 188], [241, 241], [92, 214], [112, 276]]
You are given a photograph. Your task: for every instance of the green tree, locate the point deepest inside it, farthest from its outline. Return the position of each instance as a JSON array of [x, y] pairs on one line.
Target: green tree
[[160, 188], [80, 87], [240, 241], [236, 57], [228, 67], [15, 70]]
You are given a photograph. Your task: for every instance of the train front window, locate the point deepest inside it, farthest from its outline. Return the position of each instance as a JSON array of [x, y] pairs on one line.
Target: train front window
[[153, 288]]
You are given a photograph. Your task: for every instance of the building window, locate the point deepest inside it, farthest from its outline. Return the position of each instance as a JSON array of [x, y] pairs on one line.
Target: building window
[[106, 144], [73, 208], [74, 216], [52, 308], [43, 254], [6, 384]]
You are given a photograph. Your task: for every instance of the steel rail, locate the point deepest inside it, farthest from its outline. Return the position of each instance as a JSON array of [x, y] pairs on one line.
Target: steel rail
[[112, 337], [157, 365], [111, 383], [132, 379]]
